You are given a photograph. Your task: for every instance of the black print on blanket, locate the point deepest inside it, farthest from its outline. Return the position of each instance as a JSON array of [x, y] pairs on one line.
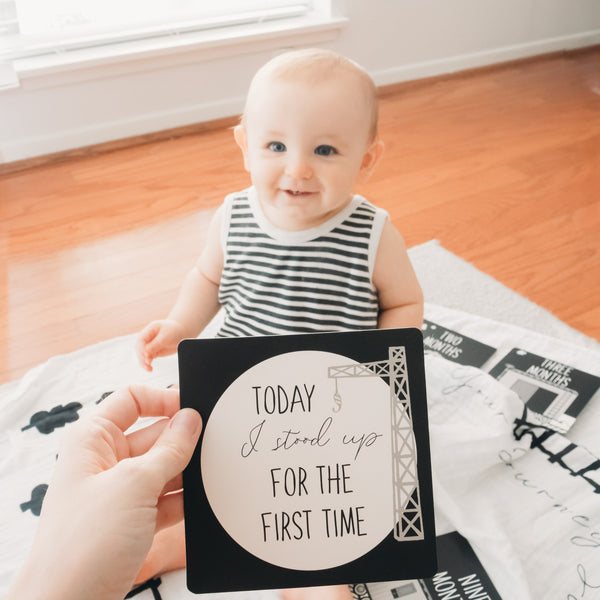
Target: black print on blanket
[[152, 585], [104, 395], [359, 591], [37, 497], [47, 421], [554, 393], [559, 450], [455, 346]]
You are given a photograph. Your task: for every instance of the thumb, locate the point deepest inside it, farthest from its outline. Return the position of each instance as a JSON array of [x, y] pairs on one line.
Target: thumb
[[174, 447]]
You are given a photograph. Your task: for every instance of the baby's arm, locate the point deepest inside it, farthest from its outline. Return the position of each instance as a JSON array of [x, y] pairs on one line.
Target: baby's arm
[[400, 295], [195, 306]]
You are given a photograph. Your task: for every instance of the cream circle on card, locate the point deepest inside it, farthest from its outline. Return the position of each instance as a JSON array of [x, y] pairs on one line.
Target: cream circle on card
[[296, 462]]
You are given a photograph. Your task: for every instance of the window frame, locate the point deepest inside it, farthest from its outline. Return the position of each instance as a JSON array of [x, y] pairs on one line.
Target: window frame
[[58, 68]]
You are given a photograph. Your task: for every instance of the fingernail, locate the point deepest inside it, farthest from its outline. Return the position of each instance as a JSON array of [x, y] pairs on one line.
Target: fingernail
[[186, 420]]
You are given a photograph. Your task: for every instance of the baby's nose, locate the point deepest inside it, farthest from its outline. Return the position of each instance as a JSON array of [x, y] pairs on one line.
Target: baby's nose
[[298, 167]]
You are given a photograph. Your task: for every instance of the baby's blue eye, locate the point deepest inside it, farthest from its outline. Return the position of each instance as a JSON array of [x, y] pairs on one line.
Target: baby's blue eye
[[325, 150], [277, 147]]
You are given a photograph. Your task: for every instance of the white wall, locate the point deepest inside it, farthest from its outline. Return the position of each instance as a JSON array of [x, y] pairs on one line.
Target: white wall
[[62, 108]]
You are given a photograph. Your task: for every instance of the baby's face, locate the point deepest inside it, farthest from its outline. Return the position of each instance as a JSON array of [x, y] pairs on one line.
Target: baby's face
[[305, 146]]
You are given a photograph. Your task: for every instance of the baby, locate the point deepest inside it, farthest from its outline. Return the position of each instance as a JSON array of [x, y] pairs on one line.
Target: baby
[[298, 251]]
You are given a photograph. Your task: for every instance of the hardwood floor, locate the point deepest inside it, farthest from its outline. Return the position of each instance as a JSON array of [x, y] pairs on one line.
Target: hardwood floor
[[501, 165]]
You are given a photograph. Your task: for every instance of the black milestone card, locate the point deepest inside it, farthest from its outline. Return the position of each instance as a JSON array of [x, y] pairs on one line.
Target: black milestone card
[[313, 467]]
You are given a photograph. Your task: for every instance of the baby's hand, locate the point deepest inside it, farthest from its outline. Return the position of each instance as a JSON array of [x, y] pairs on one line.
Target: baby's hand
[[159, 338]]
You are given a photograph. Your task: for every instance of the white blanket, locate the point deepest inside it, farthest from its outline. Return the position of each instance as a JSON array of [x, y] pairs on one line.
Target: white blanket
[[532, 514]]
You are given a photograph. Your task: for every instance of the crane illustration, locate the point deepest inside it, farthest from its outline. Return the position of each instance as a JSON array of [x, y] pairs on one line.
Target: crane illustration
[[408, 521]]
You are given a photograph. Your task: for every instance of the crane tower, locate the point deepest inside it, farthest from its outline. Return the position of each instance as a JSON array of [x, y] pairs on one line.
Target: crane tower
[[408, 521]]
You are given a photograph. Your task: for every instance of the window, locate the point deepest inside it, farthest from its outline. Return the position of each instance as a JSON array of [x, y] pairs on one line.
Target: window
[[8, 18], [37, 27]]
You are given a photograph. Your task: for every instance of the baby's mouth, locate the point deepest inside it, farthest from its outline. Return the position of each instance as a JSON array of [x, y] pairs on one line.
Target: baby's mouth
[[297, 193]]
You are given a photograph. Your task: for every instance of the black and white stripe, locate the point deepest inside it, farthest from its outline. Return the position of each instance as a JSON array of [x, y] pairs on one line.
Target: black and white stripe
[[269, 286]]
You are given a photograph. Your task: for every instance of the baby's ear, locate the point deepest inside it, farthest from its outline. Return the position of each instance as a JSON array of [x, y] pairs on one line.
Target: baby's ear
[[241, 138], [370, 159]]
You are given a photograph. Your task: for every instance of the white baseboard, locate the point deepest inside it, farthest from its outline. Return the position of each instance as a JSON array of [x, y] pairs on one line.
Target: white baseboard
[[20, 149], [453, 64]]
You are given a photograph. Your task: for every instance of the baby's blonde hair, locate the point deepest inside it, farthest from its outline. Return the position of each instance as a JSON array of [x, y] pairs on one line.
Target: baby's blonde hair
[[314, 66]]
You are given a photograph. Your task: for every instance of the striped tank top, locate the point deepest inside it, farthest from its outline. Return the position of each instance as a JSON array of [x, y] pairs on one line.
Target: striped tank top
[[280, 282]]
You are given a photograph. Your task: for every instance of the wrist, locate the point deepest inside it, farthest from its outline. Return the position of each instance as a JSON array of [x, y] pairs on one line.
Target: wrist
[[181, 328], [60, 579], [34, 582]]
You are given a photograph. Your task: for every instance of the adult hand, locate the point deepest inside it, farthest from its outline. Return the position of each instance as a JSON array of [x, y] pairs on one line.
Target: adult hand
[[109, 494]]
